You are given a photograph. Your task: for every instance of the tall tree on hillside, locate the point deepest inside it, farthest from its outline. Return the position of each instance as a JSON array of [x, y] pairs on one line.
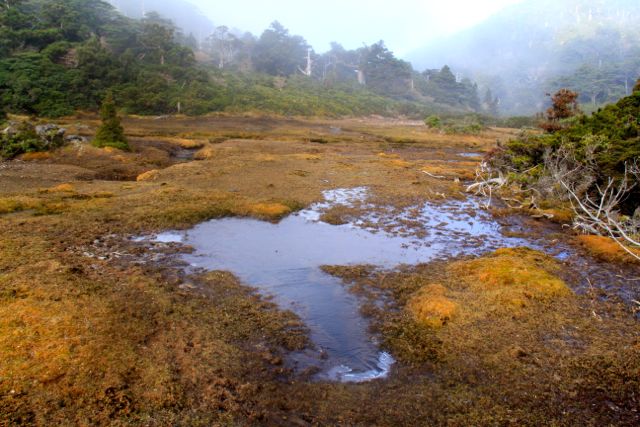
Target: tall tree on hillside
[[8, 4], [338, 65], [490, 103], [278, 53], [156, 38], [470, 93], [223, 46], [443, 86], [384, 73]]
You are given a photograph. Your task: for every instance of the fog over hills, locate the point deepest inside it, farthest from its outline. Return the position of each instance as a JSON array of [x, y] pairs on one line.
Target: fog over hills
[[182, 12], [539, 45]]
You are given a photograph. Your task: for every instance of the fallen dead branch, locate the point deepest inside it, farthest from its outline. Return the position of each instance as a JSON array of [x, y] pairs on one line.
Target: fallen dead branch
[[486, 182], [434, 176]]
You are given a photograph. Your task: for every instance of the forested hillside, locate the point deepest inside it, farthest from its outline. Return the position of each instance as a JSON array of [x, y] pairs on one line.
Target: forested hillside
[[60, 56], [538, 46]]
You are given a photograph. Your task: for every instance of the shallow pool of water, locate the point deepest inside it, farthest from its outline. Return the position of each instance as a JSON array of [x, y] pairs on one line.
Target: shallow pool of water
[[283, 261]]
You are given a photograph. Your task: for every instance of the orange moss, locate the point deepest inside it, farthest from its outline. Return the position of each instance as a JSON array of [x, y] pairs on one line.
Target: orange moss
[[31, 157], [561, 216], [62, 188], [205, 154], [511, 278], [431, 307], [607, 249], [269, 210], [399, 164], [151, 175], [519, 267]]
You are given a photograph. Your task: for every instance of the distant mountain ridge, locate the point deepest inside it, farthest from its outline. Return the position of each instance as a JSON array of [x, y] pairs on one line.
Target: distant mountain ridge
[[538, 45]]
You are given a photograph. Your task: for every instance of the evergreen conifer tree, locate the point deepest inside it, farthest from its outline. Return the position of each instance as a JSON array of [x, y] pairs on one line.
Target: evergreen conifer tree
[[111, 133]]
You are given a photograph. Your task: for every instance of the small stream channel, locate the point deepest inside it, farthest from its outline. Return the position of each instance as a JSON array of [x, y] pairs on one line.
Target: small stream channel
[[283, 261]]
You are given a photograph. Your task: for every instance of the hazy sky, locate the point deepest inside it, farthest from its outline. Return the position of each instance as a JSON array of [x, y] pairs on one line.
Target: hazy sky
[[403, 24]]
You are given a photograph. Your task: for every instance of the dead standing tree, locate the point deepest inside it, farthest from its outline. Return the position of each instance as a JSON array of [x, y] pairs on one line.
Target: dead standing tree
[[309, 68]]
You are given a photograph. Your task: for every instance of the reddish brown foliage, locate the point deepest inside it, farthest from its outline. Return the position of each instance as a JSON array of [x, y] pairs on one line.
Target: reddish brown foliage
[[564, 105]]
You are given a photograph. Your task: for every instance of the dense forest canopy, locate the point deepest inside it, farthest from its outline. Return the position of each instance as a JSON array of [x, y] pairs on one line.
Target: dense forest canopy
[[59, 56]]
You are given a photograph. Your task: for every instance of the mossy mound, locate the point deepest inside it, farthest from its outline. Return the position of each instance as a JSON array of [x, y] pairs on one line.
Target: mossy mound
[[504, 283], [269, 210], [151, 175], [607, 249], [431, 307], [513, 273]]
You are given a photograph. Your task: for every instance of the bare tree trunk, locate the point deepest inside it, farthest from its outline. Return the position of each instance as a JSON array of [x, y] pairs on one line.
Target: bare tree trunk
[[308, 68]]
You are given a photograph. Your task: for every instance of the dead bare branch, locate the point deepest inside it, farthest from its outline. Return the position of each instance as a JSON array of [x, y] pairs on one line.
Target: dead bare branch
[[434, 176], [486, 182], [597, 212]]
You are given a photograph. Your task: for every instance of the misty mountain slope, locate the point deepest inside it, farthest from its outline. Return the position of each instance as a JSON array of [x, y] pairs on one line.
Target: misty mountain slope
[[183, 13], [539, 45]]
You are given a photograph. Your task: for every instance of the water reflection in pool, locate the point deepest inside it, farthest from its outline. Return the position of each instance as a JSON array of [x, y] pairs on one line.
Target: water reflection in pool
[[283, 260]]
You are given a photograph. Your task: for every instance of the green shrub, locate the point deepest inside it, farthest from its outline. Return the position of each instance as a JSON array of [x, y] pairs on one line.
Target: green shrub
[[433, 122], [25, 139], [601, 144]]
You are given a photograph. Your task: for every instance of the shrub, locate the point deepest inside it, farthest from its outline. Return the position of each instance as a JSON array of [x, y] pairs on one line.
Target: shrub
[[433, 122], [25, 139]]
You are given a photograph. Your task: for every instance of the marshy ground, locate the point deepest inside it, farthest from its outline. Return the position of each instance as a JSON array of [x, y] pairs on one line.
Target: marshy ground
[[97, 329]]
